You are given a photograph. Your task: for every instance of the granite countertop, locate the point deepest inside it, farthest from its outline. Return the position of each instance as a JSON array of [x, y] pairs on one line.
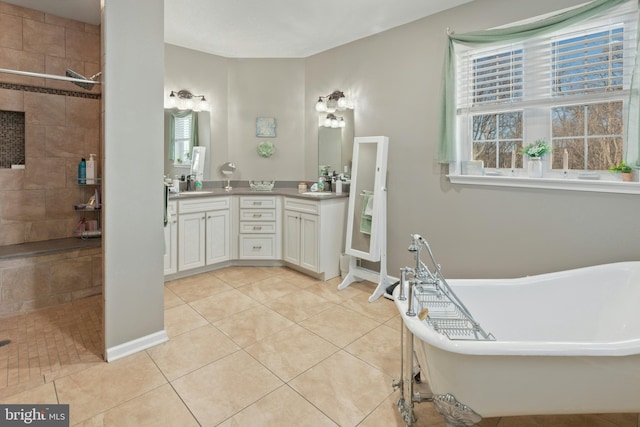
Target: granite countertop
[[246, 191]]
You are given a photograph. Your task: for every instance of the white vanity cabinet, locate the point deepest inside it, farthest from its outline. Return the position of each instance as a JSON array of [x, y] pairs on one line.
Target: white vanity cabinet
[[314, 232], [171, 239], [203, 232], [259, 230]]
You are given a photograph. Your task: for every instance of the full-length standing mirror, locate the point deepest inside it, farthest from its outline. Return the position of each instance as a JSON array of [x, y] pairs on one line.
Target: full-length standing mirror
[[367, 215], [367, 197]]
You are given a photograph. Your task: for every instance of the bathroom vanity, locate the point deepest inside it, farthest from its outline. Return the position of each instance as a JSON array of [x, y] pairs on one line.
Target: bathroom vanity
[[213, 229]]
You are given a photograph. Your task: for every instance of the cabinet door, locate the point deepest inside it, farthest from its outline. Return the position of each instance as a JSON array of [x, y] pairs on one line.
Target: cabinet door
[[171, 246], [218, 241], [191, 240], [292, 237], [309, 242]]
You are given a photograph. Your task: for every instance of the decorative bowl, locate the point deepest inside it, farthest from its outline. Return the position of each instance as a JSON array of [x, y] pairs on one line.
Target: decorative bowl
[[261, 185]]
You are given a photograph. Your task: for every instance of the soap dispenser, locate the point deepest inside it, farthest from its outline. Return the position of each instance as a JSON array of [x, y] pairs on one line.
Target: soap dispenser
[[320, 184], [91, 169]]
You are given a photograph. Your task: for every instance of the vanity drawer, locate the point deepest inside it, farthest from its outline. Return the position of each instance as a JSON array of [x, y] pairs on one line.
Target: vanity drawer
[[262, 247], [257, 227], [301, 205], [257, 202], [257, 214], [202, 204]]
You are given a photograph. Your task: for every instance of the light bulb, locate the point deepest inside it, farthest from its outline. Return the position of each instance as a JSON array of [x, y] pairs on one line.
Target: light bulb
[[342, 103], [204, 104], [334, 123], [327, 122], [320, 106], [188, 104], [342, 123], [173, 100]]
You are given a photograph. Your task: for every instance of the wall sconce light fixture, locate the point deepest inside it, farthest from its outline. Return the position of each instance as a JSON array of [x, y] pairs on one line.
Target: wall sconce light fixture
[[333, 121], [335, 101], [185, 100]]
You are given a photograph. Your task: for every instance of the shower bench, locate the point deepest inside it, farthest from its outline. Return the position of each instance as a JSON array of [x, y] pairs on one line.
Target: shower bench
[[36, 275]]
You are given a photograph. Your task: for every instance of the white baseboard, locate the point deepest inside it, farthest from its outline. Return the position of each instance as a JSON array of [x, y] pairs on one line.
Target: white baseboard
[[122, 350]]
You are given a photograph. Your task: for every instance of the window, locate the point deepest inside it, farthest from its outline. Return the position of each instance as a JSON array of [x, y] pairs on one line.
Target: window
[[184, 136], [570, 88]]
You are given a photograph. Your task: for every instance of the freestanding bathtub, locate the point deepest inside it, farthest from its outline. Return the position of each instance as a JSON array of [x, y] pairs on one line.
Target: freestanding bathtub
[[565, 343]]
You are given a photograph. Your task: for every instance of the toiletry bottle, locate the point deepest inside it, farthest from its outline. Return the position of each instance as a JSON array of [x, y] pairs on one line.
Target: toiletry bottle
[[339, 186], [91, 169], [320, 184], [82, 172]]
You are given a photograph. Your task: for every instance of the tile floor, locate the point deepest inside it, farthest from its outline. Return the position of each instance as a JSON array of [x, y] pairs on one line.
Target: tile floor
[[249, 346]]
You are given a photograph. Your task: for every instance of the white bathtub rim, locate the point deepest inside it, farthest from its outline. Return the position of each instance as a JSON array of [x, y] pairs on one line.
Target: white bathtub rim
[[517, 348], [521, 348]]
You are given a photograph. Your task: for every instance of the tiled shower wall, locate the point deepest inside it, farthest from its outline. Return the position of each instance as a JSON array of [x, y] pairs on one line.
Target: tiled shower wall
[[62, 121]]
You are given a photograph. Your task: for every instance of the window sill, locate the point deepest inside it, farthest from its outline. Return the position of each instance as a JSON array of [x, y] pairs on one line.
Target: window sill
[[552, 183]]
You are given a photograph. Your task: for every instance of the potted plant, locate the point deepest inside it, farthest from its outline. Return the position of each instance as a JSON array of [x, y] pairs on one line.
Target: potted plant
[[535, 152], [624, 169]]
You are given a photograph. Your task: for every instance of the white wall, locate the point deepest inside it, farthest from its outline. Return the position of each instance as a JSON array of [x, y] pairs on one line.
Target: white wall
[[133, 195], [474, 231], [202, 74], [266, 88]]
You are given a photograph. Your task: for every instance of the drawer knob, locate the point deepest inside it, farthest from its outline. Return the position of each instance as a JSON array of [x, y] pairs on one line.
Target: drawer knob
[[257, 203], [257, 247], [257, 228], [257, 215]]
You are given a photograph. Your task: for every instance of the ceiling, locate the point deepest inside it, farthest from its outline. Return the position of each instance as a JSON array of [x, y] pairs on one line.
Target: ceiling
[[265, 28]]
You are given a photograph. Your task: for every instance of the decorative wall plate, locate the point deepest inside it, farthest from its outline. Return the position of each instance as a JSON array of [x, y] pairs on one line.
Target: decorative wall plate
[[266, 149], [266, 127]]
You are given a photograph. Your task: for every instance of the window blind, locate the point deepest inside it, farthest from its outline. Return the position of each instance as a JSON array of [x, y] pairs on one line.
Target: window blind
[[589, 62]]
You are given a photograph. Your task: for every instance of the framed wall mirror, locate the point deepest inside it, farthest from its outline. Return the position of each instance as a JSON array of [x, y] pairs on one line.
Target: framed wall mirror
[[335, 145], [182, 150]]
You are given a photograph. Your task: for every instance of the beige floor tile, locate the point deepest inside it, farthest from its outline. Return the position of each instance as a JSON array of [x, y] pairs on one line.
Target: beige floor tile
[[192, 350], [329, 291], [269, 289], [299, 305], [217, 391], [240, 276], [344, 388], [182, 318], [196, 287], [103, 387], [45, 393], [283, 407], [381, 348], [395, 322], [380, 310], [339, 325], [159, 407], [291, 351], [171, 299], [252, 325], [299, 279], [224, 304]]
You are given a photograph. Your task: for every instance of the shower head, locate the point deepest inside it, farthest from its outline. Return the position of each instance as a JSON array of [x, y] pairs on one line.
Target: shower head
[[90, 80]]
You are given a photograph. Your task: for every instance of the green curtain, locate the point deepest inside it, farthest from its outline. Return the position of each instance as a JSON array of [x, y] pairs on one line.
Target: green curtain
[[447, 149], [172, 131]]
